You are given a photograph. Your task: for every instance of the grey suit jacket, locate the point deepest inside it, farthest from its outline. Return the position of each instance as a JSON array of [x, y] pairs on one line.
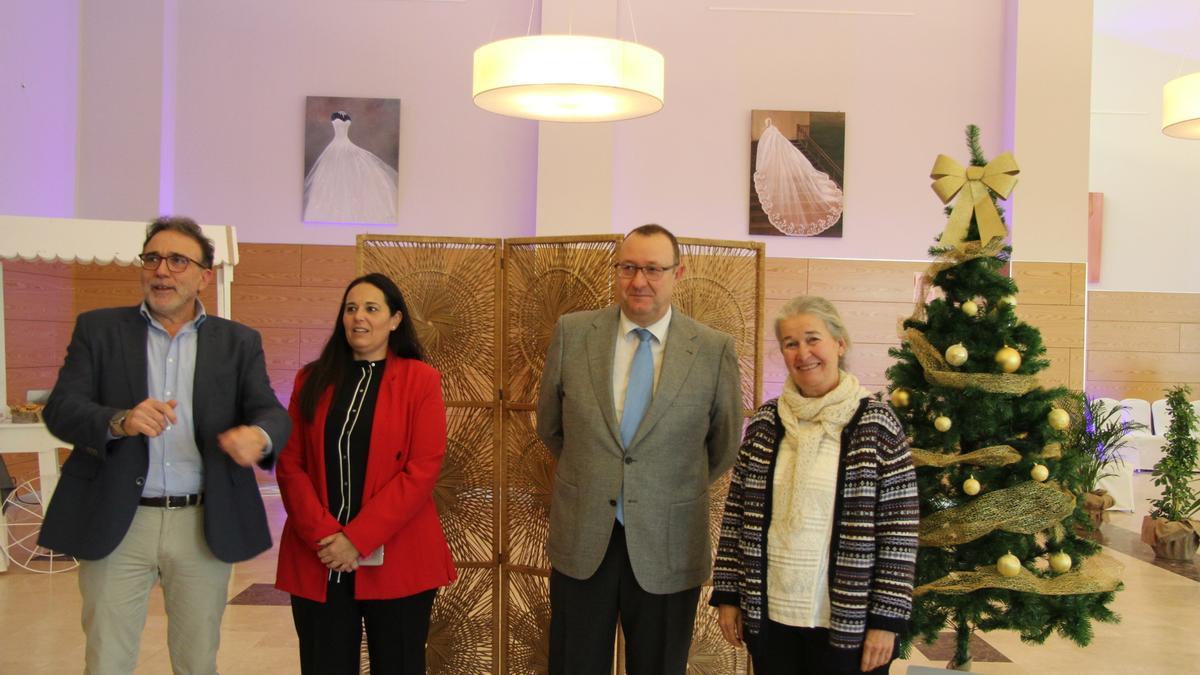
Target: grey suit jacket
[[687, 439], [101, 482]]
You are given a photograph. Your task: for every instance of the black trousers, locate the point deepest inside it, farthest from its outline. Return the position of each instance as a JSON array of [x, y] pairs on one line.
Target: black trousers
[[788, 650], [583, 620], [330, 632]]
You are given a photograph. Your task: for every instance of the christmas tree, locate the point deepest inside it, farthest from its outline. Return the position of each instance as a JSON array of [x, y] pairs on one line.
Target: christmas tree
[[999, 504]]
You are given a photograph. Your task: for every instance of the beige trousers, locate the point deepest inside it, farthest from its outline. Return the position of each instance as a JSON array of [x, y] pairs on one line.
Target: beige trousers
[[166, 545]]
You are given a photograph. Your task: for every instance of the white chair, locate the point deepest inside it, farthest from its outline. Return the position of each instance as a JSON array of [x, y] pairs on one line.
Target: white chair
[[1145, 443], [1119, 484], [1161, 414]]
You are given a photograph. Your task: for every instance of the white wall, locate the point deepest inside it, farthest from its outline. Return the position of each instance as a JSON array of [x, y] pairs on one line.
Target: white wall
[[909, 85], [246, 67], [39, 82], [197, 107], [1150, 181]]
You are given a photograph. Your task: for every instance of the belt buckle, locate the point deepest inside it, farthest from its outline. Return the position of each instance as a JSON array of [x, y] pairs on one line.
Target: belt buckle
[[167, 503]]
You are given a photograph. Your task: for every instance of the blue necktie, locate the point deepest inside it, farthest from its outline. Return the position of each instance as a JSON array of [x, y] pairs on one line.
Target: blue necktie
[[637, 399]]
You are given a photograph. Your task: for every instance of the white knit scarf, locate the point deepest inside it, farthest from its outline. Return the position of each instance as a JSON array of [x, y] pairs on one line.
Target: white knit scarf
[[807, 420]]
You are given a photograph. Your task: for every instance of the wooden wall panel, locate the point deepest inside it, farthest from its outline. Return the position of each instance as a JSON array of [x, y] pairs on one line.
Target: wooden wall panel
[[1043, 283], [1189, 337], [864, 280], [328, 266], [1133, 336], [1139, 344], [1051, 298], [1060, 325], [1121, 306], [38, 322], [785, 278], [268, 265]]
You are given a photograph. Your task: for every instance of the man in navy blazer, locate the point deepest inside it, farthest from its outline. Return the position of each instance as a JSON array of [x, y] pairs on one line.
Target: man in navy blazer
[[168, 410]]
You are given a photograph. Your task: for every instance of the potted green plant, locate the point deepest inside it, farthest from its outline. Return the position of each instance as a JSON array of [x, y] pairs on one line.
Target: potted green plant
[[1170, 529], [1095, 441]]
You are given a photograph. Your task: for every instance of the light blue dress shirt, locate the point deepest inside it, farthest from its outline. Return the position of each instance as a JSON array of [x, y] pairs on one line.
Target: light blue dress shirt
[[176, 467]]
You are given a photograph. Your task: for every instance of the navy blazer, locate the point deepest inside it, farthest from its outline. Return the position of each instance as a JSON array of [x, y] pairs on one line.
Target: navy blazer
[[105, 372]]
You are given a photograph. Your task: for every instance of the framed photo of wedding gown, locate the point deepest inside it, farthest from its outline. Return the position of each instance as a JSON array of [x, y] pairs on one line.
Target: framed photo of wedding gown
[[351, 157], [797, 173]]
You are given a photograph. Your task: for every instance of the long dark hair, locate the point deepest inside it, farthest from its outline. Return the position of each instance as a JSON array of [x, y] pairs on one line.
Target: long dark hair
[[330, 367]]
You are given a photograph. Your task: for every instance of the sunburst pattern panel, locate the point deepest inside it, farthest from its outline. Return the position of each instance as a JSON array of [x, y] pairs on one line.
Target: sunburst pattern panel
[[450, 288], [545, 279], [528, 480], [465, 490], [462, 629], [526, 623], [720, 288]]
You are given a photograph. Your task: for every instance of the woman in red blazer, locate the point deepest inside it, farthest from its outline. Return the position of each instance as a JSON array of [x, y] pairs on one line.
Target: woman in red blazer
[[362, 542]]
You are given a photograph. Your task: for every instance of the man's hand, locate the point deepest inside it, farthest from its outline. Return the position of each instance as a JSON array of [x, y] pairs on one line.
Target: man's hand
[[337, 553], [243, 444], [150, 417], [877, 648], [729, 619]]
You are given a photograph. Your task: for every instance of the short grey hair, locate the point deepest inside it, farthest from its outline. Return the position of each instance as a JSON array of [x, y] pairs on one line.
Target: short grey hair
[[820, 308]]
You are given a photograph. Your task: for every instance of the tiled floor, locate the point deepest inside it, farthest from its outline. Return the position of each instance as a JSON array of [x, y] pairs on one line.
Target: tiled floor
[[1159, 631]]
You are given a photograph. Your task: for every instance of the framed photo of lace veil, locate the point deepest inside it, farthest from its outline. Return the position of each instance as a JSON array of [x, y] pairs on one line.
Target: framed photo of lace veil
[[797, 173], [351, 158]]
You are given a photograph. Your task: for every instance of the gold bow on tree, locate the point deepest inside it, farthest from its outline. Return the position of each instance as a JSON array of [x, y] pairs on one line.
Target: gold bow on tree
[[950, 179]]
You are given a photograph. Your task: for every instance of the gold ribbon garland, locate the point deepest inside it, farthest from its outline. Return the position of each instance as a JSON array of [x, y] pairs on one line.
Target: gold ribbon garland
[[993, 455], [974, 186], [1098, 574], [939, 372], [1026, 508]]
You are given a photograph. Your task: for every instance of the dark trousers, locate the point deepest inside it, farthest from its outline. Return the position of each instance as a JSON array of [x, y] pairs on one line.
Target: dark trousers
[[583, 620], [788, 650], [330, 632]]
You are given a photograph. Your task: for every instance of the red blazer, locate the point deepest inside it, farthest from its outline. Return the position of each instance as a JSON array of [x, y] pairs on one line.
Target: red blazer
[[408, 441]]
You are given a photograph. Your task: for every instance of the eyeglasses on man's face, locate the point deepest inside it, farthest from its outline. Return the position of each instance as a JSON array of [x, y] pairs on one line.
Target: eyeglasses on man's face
[[651, 272], [176, 262]]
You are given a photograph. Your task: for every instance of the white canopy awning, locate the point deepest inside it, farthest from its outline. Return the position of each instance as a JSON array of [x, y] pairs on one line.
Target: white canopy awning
[[100, 242]]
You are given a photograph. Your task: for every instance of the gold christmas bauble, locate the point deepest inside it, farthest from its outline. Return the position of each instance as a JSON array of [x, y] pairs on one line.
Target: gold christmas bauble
[[1058, 418], [1008, 565], [1060, 562], [1009, 359], [942, 423], [956, 354], [971, 486], [969, 308], [1010, 300], [1039, 472], [900, 398]]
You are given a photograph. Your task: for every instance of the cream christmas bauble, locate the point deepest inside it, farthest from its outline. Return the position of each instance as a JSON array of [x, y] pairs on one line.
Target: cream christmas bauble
[[1058, 418], [1039, 472], [969, 308], [956, 354], [942, 423], [1060, 562], [971, 486], [1008, 565]]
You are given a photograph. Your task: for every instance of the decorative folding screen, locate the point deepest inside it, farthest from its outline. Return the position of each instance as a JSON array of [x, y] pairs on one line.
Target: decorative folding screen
[[494, 492]]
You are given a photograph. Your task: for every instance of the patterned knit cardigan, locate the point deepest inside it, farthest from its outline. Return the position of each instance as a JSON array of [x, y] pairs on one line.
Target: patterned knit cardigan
[[874, 543]]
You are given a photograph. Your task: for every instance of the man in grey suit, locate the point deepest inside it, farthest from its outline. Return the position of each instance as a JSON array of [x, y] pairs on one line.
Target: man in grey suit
[[642, 407], [168, 410]]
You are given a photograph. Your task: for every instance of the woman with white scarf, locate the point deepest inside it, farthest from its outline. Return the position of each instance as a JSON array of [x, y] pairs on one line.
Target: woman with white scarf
[[818, 544]]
